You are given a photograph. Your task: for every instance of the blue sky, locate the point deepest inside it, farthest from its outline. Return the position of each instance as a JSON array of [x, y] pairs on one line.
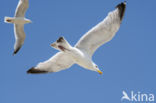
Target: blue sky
[[128, 62]]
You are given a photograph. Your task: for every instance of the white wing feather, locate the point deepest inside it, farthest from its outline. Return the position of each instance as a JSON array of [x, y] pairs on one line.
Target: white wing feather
[[21, 8], [19, 36], [58, 62], [101, 33]]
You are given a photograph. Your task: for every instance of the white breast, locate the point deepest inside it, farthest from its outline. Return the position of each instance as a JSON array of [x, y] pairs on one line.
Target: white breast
[[81, 58], [20, 20]]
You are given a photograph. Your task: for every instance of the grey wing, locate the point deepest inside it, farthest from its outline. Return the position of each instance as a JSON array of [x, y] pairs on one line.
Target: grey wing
[[19, 37], [21, 8], [102, 32], [58, 62]]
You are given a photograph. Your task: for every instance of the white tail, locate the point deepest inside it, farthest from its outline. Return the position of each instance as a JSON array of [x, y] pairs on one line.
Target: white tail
[[8, 20], [61, 44]]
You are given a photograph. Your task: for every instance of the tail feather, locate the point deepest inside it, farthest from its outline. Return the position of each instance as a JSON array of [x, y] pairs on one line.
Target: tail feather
[[8, 19], [61, 44]]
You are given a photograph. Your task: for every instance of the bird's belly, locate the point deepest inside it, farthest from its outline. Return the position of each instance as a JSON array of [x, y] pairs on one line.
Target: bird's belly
[[81, 58], [19, 21], [82, 61]]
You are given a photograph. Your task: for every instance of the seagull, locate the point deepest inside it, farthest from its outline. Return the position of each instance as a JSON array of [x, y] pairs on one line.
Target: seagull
[[19, 20], [82, 52], [125, 96]]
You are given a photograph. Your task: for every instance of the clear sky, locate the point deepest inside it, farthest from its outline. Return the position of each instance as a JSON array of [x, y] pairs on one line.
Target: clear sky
[[128, 61]]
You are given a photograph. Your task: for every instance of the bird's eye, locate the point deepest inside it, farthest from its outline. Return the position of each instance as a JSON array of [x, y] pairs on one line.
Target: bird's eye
[[96, 66]]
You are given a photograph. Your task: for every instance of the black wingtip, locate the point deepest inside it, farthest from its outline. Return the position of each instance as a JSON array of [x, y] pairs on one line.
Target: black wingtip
[[35, 71], [122, 8], [15, 52]]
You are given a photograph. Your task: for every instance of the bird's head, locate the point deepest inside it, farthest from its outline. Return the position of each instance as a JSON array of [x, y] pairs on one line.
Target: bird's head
[[97, 69], [28, 21]]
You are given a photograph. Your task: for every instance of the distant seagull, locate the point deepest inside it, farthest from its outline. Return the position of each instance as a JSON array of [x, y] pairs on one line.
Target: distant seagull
[[125, 96], [82, 52], [19, 20]]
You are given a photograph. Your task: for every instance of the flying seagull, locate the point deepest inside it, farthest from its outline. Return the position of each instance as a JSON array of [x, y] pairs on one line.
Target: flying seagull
[[82, 52], [19, 20]]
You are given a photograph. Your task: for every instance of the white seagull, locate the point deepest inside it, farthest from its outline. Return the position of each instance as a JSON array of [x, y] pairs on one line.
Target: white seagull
[[82, 52], [19, 20]]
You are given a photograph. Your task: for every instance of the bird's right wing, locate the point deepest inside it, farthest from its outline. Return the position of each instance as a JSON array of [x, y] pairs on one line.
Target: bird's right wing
[[21, 8], [58, 62], [19, 36], [102, 32]]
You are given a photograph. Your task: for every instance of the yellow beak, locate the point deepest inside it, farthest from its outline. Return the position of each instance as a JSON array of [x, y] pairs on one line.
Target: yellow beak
[[100, 72]]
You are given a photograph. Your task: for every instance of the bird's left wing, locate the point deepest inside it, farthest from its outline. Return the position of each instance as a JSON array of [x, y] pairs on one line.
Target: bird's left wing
[[58, 62], [102, 32], [19, 36], [21, 8]]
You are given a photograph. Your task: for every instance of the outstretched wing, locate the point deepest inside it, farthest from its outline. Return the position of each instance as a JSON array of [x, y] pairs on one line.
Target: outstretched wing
[[19, 37], [58, 62], [21, 8], [102, 32]]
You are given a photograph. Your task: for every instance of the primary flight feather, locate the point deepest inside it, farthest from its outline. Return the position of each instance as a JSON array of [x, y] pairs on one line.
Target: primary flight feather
[[82, 52], [19, 20]]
